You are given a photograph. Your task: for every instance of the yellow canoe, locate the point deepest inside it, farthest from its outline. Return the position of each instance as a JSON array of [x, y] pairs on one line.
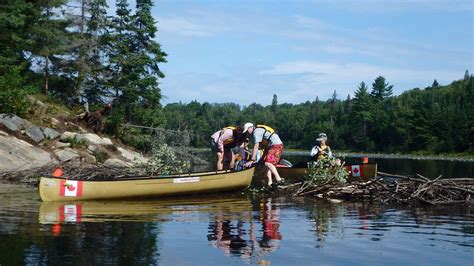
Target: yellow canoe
[[62, 189], [357, 172]]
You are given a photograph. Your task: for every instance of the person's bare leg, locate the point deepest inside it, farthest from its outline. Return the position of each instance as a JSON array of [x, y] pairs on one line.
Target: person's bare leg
[[220, 159], [273, 170], [232, 161], [268, 175]]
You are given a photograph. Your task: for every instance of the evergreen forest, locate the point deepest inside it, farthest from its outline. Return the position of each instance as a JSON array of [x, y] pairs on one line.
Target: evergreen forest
[[74, 52]]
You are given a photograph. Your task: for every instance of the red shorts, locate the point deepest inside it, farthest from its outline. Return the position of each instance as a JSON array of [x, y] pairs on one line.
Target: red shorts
[[274, 154]]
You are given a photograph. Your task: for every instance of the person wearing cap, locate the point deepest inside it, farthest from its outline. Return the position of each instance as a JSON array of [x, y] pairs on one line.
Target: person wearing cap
[[223, 141], [274, 149], [321, 150]]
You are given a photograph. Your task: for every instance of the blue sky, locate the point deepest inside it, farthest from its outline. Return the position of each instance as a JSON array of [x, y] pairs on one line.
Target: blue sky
[[245, 51]]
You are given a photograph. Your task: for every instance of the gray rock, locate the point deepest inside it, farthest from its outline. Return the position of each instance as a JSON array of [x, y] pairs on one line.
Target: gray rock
[[94, 139], [54, 122], [132, 156], [59, 145], [16, 154], [50, 133], [114, 162], [67, 135], [34, 133], [92, 148], [87, 158], [66, 154], [12, 122]]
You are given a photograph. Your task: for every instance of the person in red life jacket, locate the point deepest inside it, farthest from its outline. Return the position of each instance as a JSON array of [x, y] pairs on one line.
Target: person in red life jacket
[[222, 143], [266, 136]]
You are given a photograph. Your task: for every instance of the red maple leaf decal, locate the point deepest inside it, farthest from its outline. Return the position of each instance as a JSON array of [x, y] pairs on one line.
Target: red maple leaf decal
[[70, 187], [356, 170]]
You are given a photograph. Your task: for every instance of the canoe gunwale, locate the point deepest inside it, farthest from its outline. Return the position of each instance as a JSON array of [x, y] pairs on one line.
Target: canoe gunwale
[[147, 177]]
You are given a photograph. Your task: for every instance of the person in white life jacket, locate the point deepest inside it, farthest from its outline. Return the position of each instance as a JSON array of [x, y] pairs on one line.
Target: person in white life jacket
[[266, 136], [222, 143]]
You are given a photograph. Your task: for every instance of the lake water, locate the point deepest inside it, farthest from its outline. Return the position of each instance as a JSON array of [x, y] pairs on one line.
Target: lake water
[[230, 228]]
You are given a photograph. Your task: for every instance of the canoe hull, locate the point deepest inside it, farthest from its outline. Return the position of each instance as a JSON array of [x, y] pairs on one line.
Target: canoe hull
[[358, 172], [59, 189]]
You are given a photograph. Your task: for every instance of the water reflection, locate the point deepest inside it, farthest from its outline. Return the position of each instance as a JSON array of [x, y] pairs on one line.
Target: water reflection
[[251, 235], [230, 229], [423, 226]]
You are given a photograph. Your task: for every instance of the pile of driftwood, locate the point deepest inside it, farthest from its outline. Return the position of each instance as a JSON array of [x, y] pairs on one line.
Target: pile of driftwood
[[417, 190], [73, 171]]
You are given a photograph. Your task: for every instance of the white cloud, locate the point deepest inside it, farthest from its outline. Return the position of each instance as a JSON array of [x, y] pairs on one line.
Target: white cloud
[[185, 27], [311, 79], [333, 72], [296, 82]]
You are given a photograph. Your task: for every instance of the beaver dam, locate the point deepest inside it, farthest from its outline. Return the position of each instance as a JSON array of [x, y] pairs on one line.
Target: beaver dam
[[411, 190], [417, 190]]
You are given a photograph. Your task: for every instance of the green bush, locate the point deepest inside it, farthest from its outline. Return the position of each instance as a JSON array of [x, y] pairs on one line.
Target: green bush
[[324, 171], [100, 156], [13, 93], [76, 142], [165, 161]]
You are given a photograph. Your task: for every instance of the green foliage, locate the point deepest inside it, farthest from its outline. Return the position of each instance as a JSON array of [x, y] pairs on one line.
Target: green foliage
[[428, 121], [76, 142], [13, 93], [165, 161], [134, 57], [380, 89], [100, 156], [323, 171], [137, 139]]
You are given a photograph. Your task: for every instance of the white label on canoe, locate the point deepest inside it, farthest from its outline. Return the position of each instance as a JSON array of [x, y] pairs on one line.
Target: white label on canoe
[[50, 183], [186, 179], [355, 170]]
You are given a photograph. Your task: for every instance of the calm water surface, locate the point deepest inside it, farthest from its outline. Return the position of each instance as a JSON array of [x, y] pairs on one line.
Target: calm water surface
[[224, 229]]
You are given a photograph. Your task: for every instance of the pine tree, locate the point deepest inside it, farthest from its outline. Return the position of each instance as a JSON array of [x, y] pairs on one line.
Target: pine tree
[[96, 80], [466, 75], [15, 28], [274, 103], [50, 39], [381, 89], [134, 59], [16, 19], [435, 84], [361, 116]]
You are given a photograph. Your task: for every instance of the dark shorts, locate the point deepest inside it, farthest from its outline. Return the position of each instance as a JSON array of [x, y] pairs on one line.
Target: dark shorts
[[273, 154]]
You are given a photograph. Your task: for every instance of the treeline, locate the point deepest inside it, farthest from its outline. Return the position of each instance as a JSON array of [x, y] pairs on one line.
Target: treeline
[[436, 119], [75, 52]]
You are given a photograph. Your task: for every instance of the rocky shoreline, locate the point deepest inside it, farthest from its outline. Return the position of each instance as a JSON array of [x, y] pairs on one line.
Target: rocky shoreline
[[25, 145]]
